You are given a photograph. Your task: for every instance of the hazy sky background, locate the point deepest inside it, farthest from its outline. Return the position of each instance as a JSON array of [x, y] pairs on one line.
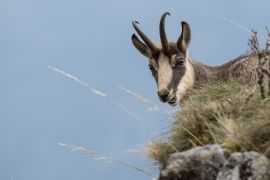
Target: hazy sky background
[[91, 39]]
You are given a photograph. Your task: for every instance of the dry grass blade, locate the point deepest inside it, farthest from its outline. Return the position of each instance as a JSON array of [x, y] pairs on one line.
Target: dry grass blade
[[253, 42], [267, 45], [102, 94], [11, 177], [96, 156], [260, 81], [237, 25], [192, 135], [138, 150], [268, 38], [136, 95], [154, 107], [83, 83]]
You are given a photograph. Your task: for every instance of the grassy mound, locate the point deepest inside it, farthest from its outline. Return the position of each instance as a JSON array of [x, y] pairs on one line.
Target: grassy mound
[[223, 113]]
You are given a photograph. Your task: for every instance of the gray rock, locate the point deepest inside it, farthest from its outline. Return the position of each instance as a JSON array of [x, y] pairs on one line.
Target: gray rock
[[245, 166], [202, 163], [214, 163]]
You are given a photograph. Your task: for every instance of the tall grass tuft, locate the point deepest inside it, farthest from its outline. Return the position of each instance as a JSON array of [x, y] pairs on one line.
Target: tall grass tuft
[[217, 114]]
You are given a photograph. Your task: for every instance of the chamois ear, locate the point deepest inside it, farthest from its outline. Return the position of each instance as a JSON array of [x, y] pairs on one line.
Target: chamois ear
[[140, 46], [185, 37]]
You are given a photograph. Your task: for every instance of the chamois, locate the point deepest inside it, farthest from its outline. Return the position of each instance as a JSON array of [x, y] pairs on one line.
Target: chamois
[[176, 73]]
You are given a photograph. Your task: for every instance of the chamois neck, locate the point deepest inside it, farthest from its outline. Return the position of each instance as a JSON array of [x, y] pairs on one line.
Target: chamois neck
[[203, 73]]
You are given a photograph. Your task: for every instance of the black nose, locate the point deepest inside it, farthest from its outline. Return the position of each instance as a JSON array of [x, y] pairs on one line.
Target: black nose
[[163, 94]]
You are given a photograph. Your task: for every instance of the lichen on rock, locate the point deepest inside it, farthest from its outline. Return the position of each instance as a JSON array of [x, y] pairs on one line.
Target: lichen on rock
[[215, 163]]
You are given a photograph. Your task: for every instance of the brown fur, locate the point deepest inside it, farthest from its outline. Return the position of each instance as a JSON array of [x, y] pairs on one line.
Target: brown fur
[[241, 69]]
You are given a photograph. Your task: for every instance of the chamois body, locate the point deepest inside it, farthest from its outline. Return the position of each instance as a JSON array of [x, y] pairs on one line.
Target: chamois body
[[176, 73], [242, 70]]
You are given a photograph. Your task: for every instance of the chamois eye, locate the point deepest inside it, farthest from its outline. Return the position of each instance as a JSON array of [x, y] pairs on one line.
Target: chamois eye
[[180, 60], [151, 67]]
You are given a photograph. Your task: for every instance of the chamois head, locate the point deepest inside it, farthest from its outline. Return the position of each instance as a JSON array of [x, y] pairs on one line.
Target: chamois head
[[168, 61]]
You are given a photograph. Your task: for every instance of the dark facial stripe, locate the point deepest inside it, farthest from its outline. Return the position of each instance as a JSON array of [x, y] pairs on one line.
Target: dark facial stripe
[[178, 73], [178, 70]]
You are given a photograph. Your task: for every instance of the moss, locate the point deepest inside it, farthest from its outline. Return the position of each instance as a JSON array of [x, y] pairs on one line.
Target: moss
[[217, 113]]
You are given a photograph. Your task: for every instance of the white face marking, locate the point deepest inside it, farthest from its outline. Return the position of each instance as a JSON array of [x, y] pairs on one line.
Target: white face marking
[[186, 82], [164, 71], [165, 75]]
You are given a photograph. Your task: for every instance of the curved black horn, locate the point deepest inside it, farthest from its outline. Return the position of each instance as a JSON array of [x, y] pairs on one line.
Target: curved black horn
[[163, 37], [148, 42]]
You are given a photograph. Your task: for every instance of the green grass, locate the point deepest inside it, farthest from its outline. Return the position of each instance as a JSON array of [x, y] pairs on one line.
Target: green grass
[[218, 113]]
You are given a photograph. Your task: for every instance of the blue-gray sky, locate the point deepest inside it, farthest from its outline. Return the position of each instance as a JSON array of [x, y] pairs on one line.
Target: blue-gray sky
[[91, 39]]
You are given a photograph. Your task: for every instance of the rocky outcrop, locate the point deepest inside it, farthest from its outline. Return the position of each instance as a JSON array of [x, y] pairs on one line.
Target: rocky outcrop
[[245, 166], [214, 163]]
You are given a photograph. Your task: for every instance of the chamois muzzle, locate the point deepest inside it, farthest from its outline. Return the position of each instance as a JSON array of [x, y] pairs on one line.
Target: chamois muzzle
[[166, 96], [163, 95]]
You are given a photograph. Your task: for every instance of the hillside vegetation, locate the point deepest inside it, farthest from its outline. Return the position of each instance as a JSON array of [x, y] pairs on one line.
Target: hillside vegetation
[[228, 114]]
